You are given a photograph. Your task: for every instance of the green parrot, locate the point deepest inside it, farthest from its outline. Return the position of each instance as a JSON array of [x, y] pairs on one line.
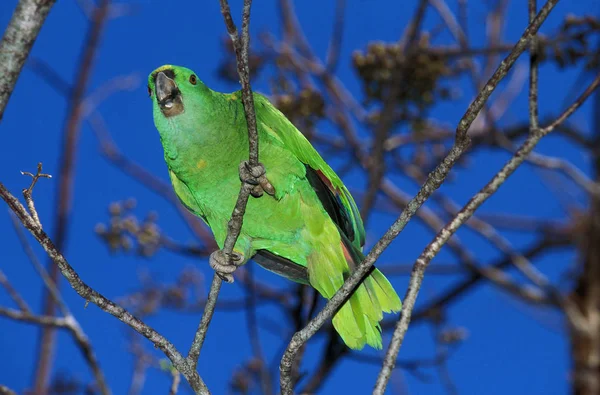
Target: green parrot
[[306, 227]]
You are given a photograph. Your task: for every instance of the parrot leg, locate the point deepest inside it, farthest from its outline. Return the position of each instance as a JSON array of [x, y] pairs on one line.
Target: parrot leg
[[219, 262], [255, 175]]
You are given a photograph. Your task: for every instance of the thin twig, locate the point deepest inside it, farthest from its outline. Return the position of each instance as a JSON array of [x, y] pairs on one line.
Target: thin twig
[[12, 292], [533, 72], [209, 310], [434, 180], [563, 166], [241, 45], [66, 179], [88, 353], [253, 334], [39, 268], [24, 316], [463, 215], [27, 193], [4, 390], [90, 295], [72, 326], [234, 226], [335, 42], [175, 383]]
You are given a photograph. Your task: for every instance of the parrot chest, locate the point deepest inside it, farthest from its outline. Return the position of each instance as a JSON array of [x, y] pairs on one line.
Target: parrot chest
[[210, 173]]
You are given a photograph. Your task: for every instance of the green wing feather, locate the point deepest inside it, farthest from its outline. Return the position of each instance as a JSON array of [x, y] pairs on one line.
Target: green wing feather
[[357, 321], [280, 128]]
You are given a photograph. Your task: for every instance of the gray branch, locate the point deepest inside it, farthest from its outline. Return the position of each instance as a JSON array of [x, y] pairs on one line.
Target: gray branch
[[449, 229], [434, 180], [18, 39], [90, 295], [240, 44]]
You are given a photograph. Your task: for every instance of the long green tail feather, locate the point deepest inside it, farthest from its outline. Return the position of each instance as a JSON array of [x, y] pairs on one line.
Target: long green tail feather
[[364, 310]]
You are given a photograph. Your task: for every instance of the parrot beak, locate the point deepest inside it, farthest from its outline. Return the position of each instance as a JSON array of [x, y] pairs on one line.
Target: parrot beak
[[168, 95]]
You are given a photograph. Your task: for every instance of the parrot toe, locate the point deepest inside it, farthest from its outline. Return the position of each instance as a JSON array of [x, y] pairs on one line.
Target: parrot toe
[[220, 264], [255, 175]]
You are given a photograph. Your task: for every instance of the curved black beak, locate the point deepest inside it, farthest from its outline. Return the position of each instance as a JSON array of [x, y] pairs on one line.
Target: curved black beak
[[168, 94], [165, 88]]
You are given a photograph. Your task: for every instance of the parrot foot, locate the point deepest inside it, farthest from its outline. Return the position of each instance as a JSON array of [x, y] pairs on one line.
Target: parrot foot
[[255, 175], [219, 262]]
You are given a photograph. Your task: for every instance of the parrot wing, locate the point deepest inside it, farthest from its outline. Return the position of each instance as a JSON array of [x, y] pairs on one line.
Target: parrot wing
[[330, 189]]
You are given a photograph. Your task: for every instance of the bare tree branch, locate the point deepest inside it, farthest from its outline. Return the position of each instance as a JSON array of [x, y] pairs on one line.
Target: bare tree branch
[[105, 304], [175, 383], [434, 180], [335, 42], [69, 320], [241, 45], [463, 215], [533, 72], [23, 28], [254, 336], [72, 326], [12, 292], [64, 193], [4, 390]]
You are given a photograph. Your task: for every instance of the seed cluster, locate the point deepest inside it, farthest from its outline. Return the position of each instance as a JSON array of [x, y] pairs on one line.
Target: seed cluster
[[385, 70], [577, 41], [124, 231], [304, 107]]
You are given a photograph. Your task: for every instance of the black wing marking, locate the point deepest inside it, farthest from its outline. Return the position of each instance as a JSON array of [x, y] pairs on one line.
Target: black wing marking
[[331, 203], [281, 266]]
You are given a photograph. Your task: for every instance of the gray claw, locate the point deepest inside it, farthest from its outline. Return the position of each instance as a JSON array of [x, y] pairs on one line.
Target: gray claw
[[237, 259], [266, 185], [218, 262], [255, 175], [257, 191], [246, 174], [228, 278], [256, 171]]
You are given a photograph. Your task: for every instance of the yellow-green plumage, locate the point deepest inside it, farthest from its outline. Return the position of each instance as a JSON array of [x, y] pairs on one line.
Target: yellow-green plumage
[[309, 231]]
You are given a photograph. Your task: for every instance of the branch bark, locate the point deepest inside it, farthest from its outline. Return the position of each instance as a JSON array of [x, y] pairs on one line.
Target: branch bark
[[18, 39], [68, 319], [241, 45], [90, 295], [463, 215], [434, 180]]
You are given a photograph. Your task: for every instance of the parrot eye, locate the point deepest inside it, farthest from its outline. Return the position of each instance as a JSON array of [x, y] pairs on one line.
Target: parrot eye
[[193, 79], [149, 91]]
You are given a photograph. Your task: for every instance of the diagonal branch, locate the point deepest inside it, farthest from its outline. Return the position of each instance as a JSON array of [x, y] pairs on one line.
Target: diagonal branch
[[434, 180], [27, 316], [90, 295], [463, 215], [12, 292]]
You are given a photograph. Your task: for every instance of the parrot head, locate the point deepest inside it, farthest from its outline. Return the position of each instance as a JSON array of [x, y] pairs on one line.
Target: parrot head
[[169, 87]]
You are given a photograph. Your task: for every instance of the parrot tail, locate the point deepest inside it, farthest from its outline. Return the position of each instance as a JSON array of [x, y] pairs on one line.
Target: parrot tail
[[357, 321]]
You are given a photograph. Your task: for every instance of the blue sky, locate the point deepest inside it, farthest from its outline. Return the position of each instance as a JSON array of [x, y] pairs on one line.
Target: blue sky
[[511, 347]]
